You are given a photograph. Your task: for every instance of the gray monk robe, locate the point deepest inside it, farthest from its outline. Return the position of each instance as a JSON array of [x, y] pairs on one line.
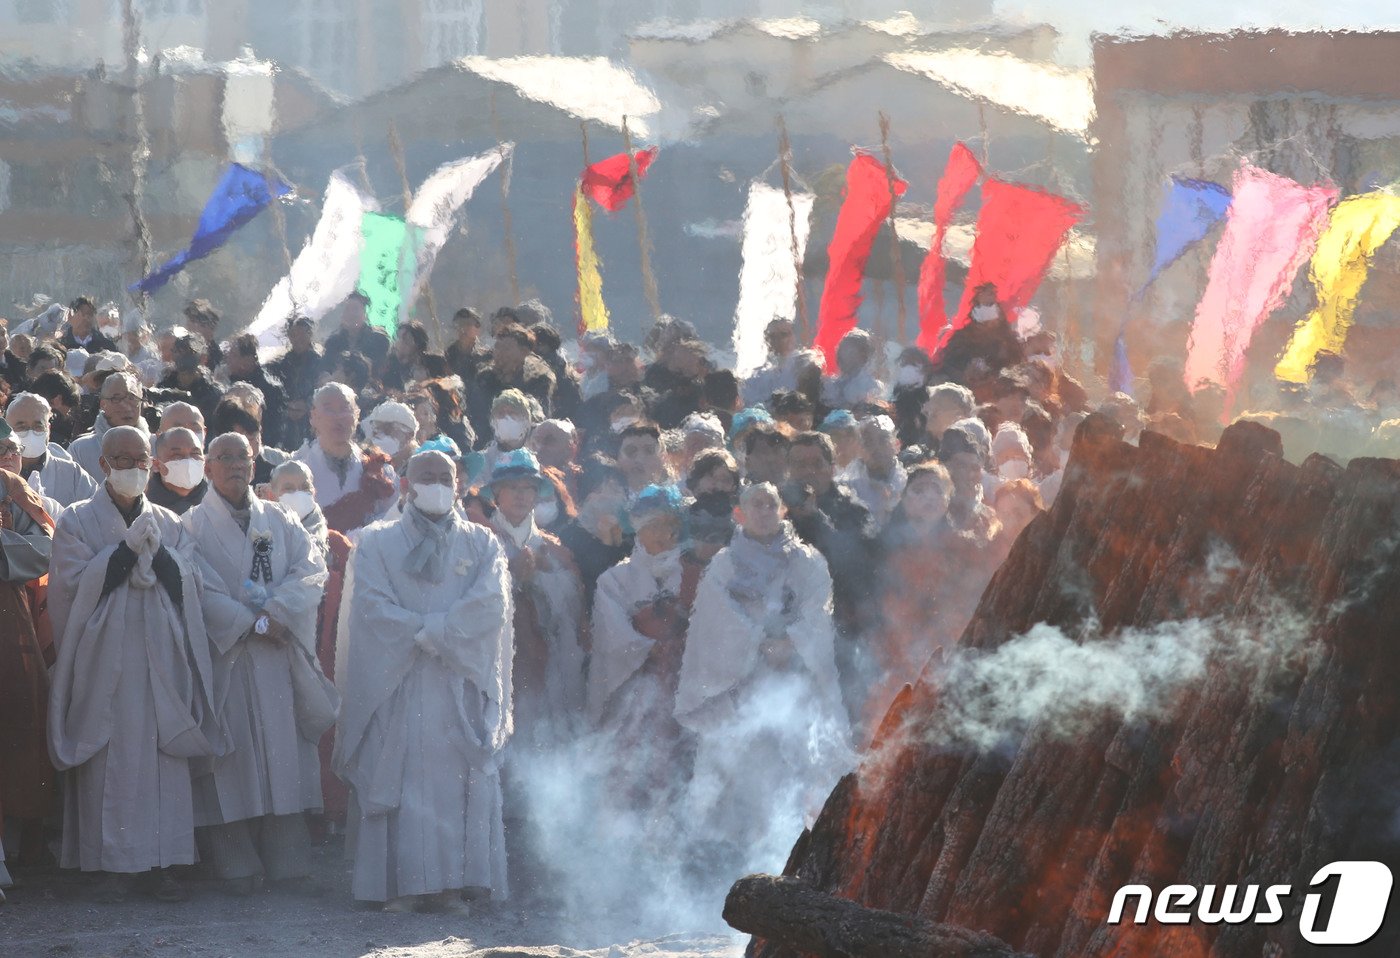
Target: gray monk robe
[[130, 698], [270, 566], [424, 665]]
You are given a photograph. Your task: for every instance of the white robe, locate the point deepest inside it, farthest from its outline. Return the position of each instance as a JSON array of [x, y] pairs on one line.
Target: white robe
[[131, 697], [274, 768], [767, 379], [329, 488], [425, 671], [555, 712], [768, 743], [62, 480], [619, 650]]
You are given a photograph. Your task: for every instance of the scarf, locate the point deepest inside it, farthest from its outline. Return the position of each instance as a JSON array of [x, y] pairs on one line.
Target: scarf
[[518, 535], [18, 493], [429, 543], [662, 567], [315, 526], [757, 565], [101, 425]]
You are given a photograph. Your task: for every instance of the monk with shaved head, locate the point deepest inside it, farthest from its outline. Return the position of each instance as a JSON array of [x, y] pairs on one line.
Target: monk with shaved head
[[426, 670]]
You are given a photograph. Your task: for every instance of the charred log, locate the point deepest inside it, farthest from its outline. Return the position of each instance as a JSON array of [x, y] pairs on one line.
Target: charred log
[[789, 912]]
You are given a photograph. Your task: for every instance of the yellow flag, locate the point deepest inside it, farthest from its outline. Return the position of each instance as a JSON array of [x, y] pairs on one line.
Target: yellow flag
[[1358, 227], [590, 281]]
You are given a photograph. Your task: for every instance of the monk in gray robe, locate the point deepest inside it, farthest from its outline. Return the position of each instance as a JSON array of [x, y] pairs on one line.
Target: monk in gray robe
[[43, 465], [424, 666], [269, 690], [131, 697], [119, 405]]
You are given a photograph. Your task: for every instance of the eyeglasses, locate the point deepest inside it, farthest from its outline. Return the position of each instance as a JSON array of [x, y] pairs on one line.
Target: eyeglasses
[[8, 449], [227, 460], [123, 398], [129, 462]]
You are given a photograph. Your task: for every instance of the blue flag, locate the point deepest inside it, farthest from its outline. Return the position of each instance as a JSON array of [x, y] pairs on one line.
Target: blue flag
[[239, 197], [1189, 209]]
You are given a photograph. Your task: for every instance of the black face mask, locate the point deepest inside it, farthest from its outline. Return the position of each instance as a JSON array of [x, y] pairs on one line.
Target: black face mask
[[717, 503]]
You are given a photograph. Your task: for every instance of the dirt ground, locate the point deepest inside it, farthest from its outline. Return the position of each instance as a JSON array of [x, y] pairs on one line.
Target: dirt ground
[[51, 914]]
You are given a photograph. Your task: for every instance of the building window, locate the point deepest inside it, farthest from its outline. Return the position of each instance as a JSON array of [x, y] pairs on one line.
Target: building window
[[451, 29], [327, 47]]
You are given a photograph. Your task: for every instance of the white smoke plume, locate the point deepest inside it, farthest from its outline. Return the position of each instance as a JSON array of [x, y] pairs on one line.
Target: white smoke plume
[[1065, 685], [666, 868]]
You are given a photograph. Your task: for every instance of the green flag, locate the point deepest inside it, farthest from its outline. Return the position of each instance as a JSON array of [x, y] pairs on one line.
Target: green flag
[[380, 256]]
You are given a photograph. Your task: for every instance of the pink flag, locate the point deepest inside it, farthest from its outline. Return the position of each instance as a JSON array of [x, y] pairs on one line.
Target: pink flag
[[1270, 232], [959, 176]]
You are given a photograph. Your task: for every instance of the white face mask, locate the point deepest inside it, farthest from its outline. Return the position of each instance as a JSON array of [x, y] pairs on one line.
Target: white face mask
[[546, 512], [510, 429], [909, 376], [985, 313], [300, 502], [184, 473], [432, 498], [1015, 469], [386, 443], [33, 443], [129, 482]]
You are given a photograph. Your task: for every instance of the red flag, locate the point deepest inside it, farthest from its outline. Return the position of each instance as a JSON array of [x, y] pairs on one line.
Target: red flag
[[1018, 232], [959, 176], [609, 182], [866, 206]]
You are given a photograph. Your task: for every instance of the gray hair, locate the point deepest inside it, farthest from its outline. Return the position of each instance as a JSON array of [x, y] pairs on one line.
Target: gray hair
[[133, 384], [31, 397], [753, 489], [339, 389], [182, 406], [955, 395]]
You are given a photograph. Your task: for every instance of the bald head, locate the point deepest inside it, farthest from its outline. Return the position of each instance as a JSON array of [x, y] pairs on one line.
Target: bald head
[[431, 463], [176, 443], [121, 439], [183, 415], [229, 466], [28, 413]]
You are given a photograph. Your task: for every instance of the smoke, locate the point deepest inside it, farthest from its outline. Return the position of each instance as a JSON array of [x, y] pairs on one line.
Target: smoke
[[640, 838], [1064, 684]]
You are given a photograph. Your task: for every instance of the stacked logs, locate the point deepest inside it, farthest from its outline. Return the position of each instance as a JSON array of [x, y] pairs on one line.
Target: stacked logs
[[1253, 776]]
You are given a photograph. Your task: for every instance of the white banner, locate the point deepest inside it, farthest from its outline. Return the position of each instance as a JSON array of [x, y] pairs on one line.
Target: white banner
[[433, 212], [327, 268], [768, 279]]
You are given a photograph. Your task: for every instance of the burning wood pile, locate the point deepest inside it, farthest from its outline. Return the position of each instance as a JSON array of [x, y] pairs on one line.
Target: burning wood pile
[[1220, 707]]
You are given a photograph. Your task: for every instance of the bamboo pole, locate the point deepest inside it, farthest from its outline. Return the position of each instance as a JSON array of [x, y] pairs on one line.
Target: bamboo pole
[[785, 164], [643, 242], [141, 154], [580, 198], [896, 255], [507, 227], [396, 150]]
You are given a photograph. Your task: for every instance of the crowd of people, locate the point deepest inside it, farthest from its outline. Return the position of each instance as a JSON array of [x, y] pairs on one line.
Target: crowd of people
[[247, 604]]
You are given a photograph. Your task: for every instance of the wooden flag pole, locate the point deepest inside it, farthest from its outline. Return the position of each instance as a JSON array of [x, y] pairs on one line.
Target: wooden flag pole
[[804, 333], [896, 255], [580, 198], [507, 227], [643, 242], [396, 149]]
